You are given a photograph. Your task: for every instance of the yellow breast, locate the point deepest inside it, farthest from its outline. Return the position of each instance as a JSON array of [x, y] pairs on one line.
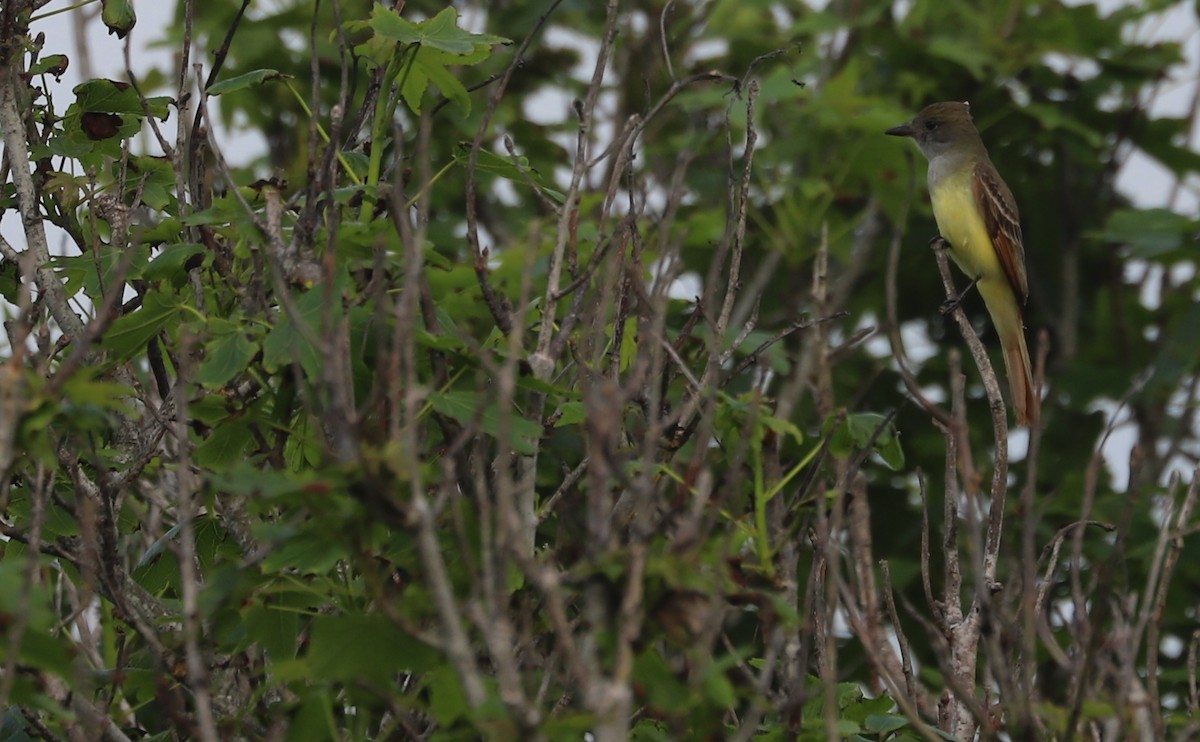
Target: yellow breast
[[960, 221]]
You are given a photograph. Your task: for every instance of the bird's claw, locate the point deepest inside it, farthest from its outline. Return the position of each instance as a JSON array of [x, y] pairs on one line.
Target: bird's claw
[[950, 305]]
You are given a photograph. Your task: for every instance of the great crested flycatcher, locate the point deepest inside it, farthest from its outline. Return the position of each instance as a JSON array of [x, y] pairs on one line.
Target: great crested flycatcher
[[977, 216]]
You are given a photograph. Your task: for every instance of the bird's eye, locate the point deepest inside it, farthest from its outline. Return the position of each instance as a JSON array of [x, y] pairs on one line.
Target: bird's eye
[[931, 125]]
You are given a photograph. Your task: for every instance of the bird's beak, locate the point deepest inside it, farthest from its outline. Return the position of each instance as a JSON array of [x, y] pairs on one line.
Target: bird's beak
[[903, 130]]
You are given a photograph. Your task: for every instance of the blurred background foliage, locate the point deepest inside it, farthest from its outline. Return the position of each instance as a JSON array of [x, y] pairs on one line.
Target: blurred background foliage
[[1063, 95]]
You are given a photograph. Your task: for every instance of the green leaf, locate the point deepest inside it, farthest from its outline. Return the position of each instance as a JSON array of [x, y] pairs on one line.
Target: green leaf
[[112, 96], [1149, 233], [445, 81], [961, 51], [287, 343], [441, 341], [81, 390], [446, 698], [359, 164], [224, 446], [226, 210], [158, 567], [1055, 119], [249, 79], [664, 689], [167, 230], [55, 64], [130, 334], [859, 430], [169, 264], [884, 724], [1177, 356], [10, 281], [39, 644], [104, 114], [427, 49], [783, 428], [227, 354], [887, 446], [274, 630], [364, 647], [572, 413], [439, 32], [302, 553], [151, 177], [467, 407], [629, 344], [97, 272], [314, 710], [247, 480], [1166, 140], [516, 169], [718, 689]]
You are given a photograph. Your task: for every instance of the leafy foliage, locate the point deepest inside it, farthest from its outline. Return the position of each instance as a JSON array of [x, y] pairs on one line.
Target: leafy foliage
[[525, 401]]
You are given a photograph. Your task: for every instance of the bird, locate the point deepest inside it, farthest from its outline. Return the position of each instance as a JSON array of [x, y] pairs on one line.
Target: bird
[[977, 216]]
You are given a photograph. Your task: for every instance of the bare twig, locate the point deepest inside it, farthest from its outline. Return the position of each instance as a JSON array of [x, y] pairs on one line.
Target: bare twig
[[499, 309], [540, 360], [1160, 578], [189, 577], [16, 151], [991, 386], [662, 31], [893, 324]]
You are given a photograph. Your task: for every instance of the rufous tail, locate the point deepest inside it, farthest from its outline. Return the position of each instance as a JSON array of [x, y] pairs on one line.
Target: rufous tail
[[1006, 316], [1025, 400]]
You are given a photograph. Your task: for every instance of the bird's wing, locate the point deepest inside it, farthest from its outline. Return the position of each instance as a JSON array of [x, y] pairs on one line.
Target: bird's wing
[[1003, 225]]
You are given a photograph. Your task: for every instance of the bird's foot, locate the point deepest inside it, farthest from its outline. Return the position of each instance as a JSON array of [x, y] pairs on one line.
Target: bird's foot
[[950, 305]]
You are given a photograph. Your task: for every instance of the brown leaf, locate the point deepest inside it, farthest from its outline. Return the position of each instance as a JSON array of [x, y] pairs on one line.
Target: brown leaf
[[99, 126]]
